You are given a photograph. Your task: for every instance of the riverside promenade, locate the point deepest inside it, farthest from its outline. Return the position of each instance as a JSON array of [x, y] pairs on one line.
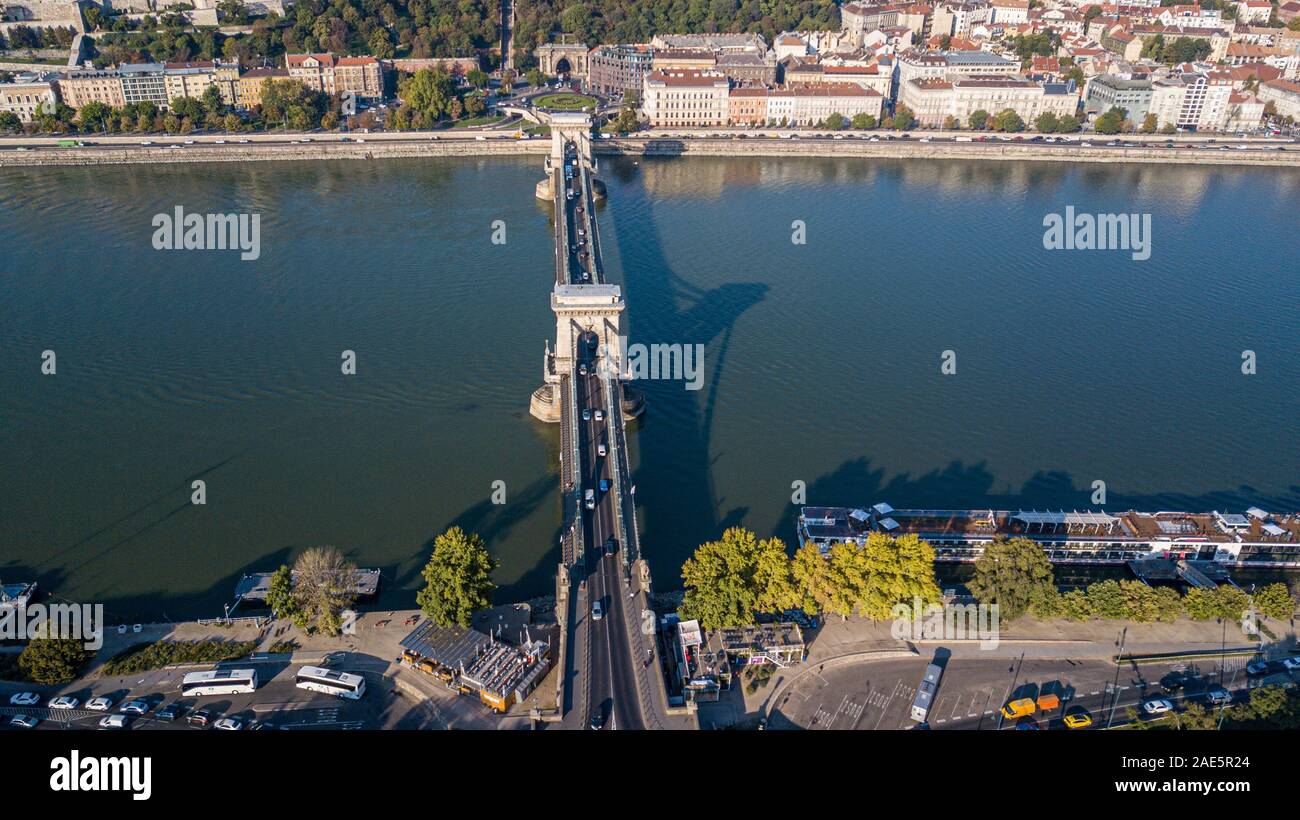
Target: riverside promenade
[[1220, 150]]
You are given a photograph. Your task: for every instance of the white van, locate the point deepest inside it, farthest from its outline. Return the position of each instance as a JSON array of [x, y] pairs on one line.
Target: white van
[[590, 497]]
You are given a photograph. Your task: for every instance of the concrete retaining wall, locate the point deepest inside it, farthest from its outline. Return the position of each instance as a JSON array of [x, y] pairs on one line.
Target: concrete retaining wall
[[389, 148], [920, 150]]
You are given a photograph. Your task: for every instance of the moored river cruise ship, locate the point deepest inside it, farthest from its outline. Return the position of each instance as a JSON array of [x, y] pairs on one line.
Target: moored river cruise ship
[[1256, 538]]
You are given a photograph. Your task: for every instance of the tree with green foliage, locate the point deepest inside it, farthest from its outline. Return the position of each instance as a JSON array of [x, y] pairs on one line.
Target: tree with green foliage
[[477, 77], [1045, 123], [1275, 601], [279, 594], [1111, 122], [9, 122], [1013, 573], [863, 122], [52, 661], [1008, 120], [535, 77], [728, 580], [978, 119], [899, 571], [835, 121], [950, 123], [457, 579], [833, 583], [1068, 124], [292, 104], [1149, 124], [904, 119], [323, 582], [428, 96]]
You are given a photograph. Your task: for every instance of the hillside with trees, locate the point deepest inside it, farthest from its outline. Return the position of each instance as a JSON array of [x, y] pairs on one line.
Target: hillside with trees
[[637, 21]]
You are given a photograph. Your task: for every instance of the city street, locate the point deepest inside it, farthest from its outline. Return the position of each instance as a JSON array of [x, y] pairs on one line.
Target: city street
[[879, 695]]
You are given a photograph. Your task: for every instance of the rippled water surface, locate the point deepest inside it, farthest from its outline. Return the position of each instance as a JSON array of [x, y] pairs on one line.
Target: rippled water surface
[[821, 360]]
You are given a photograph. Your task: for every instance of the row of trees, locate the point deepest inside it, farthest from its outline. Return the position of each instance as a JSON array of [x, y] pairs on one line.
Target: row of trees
[[638, 21], [430, 96], [382, 28], [730, 580], [316, 590], [285, 103], [19, 38], [1016, 575], [1178, 50]]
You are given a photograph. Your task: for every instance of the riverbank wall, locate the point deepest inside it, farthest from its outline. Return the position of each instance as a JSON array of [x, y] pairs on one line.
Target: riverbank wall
[[653, 147]]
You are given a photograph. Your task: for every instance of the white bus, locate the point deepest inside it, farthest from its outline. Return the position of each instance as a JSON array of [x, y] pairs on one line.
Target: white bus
[[331, 682], [220, 682]]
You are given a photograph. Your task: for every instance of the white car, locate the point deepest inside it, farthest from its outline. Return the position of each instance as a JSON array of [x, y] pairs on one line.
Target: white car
[[229, 724], [600, 415], [134, 707], [112, 722], [23, 722], [1157, 706], [64, 702], [25, 699], [99, 704], [1291, 664]]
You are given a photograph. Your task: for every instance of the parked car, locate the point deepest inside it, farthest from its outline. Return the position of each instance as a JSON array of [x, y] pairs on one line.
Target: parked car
[[64, 702], [200, 717], [1173, 681], [1078, 720], [25, 699], [229, 724], [112, 722], [1157, 706], [1021, 707], [23, 722], [1291, 664], [1256, 668], [1218, 696], [170, 712], [100, 704], [135, 707]]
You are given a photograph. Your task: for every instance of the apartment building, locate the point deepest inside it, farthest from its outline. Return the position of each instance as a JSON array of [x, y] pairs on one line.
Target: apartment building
[[248, 91], [193, 79], [933, 100], [685, 98], [716, 43], [747, 106], [948, 65], [1192, 100], [80, 87], [360, 75], [1107, 91], [810, 104], [957, 19], [696, 59], [615, 70], [748, 67], [1284, 94], [25, 97], [332, 75], [144, 82]]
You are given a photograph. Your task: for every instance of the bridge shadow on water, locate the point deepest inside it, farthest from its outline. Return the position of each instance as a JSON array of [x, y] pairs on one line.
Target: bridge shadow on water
[[665, 307]]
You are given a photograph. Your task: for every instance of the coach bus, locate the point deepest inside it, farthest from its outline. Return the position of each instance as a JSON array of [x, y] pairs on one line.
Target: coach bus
[[220, 682], [331, 682], [925, 693]]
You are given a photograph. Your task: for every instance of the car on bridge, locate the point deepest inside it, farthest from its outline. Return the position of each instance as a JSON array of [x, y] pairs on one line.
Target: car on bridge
[[604, 485], [586, 412], [600, 415], [591, 499], [601, 450], [597, 611]]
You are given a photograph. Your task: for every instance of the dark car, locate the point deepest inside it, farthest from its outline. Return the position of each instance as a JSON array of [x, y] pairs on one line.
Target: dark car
[[1173, 681], [170, 712], [611, 546], [201, 717]]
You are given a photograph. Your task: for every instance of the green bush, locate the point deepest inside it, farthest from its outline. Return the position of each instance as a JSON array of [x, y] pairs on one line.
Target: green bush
[[143, 657]]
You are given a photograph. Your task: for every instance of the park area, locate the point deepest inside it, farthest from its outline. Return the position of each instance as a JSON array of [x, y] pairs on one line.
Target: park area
[[565, 101]]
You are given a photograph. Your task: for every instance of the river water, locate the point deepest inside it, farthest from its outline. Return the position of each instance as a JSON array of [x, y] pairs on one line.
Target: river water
[[821, 370]]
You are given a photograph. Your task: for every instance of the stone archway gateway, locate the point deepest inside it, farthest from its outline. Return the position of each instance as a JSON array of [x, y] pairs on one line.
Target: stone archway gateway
[[563, 58]]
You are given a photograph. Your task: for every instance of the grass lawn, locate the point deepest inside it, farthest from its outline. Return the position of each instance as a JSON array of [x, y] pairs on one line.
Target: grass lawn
[[563, 101], [475, 121]]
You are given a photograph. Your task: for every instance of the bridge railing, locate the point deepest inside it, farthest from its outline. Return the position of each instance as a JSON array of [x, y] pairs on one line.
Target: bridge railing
[[617, 451], [593, 229], [575, 463]]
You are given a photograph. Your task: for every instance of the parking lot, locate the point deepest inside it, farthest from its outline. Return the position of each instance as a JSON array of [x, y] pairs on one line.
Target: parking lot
[[879, 695], [277, 704]]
